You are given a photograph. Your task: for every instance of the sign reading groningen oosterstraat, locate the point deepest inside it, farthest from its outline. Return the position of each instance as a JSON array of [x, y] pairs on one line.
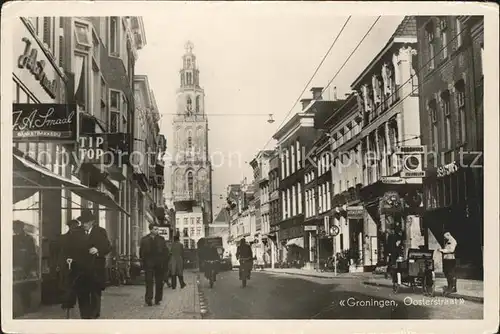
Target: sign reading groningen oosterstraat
[[43, 122]]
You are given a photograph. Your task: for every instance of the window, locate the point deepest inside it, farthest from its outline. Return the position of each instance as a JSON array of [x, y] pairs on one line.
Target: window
[[189, 104], [292, 163], [298, 155], [186, 243], [185, 221], [445, 107], [482, 59], [430, 40], [459, 29], [82, 34], [192, 221], [460, 101], [81, 71], [114, 36], [190, 183], [95, 46], [443, 26], [433, 123], [197, 105], [294, 202], [115, 100]]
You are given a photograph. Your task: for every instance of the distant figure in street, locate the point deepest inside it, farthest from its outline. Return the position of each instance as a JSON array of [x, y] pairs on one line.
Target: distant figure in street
[[177, 263], [244, 251], [86, 245], [154, 256], [449, 262]]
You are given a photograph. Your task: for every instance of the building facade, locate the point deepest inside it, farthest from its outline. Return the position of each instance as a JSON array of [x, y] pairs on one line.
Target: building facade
[[451, 118], [388, 95], [295, 140], [260, 165], [274, 204], [148, 166], [191, 166], [77, 56], [347, 177]]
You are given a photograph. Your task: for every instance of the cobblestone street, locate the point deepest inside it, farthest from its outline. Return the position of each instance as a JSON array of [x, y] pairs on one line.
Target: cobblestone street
[[127, 302], [274, 295]]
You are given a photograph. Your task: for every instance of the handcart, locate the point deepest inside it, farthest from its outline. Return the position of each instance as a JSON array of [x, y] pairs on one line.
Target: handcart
[[416, 271]]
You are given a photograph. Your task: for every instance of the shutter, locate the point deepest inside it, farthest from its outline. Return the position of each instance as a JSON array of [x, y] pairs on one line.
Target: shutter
[[46, 30], [61, 51]]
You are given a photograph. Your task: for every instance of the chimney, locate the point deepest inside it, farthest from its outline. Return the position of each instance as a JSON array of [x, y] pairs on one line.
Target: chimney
[[305, 103], [317, 93], [335, 93]]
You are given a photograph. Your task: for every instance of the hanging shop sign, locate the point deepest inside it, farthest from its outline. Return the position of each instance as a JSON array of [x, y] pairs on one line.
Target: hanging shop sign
[[310, 228], [411, 158], [35, 65], [91, 148], [43, 122], [164, 232], [355, 212], [447, 169], [391, 203]]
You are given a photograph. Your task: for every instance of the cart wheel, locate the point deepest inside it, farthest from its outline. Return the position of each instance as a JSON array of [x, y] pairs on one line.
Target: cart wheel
[[395, 287]]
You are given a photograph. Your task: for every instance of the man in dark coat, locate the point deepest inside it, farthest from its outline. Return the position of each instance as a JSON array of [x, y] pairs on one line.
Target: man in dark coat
[[154, 255], [87, 247]]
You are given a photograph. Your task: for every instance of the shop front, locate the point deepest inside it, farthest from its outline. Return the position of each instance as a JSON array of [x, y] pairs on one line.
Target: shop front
[[454, 203], [293, 242], [36, 79], [390, 219]]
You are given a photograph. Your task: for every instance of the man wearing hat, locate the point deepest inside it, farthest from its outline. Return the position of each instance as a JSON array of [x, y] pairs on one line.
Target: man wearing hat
[[96, 247]]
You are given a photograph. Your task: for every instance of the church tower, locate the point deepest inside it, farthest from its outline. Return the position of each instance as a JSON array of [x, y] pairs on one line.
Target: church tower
[[191, 167]]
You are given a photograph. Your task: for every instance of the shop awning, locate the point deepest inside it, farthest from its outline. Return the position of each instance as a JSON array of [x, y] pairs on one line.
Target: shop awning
[[299, 242], [30, 177]]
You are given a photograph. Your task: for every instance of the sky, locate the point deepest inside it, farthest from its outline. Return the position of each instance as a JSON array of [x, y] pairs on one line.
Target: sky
[[253, 62]]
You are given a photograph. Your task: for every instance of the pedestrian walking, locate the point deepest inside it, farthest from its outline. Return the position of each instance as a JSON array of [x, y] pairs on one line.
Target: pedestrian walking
[[449, 262], [86, 248], [154, 256], [177, 263], [71, 247]]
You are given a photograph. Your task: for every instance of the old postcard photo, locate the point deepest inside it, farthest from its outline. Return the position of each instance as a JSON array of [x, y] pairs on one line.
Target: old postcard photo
[[200, 162]]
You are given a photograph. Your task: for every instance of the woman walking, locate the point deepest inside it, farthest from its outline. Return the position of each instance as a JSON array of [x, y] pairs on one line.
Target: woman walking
[[177, 263]]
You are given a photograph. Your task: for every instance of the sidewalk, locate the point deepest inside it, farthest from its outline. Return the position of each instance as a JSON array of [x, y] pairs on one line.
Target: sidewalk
[[468, 289], [314, 273], [127, 302]]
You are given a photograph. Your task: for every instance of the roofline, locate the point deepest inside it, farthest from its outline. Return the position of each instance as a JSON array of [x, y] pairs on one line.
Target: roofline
[[391, 43]]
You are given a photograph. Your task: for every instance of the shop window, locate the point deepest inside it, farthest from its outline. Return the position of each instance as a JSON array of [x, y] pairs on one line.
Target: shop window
[[114, 36], [186, 243]]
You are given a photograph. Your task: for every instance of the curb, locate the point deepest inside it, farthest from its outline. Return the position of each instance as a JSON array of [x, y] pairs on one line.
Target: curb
[[342, 275], [474, 299], [202, 302]]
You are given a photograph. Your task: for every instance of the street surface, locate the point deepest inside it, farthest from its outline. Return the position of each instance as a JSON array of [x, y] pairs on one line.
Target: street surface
[[281, 296]]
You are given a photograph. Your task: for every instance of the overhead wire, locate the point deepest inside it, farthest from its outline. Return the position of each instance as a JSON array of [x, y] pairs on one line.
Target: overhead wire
[[314, 74], [336, 74]]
